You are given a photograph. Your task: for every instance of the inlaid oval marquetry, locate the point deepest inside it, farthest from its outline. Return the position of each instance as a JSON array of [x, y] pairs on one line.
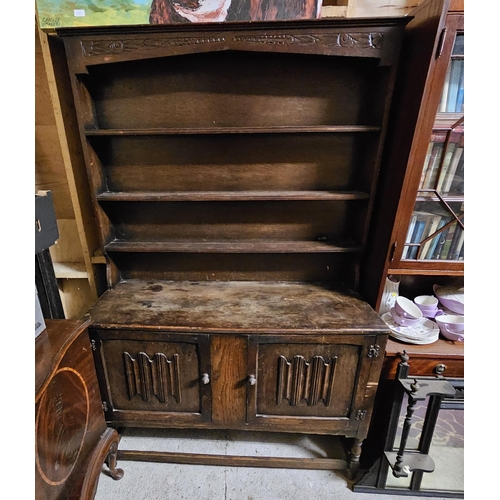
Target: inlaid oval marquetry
[[61, 423]]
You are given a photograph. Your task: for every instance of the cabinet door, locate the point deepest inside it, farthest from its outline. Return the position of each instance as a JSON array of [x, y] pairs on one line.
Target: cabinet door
[[433, 232], [321, 383], [164, 378]]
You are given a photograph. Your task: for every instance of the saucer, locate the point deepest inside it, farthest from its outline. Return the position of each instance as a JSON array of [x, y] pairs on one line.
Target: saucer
[[425, 332]]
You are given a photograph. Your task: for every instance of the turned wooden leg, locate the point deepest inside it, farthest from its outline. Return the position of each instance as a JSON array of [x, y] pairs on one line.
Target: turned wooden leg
[[354, 458], [111, 462], [398, 469]]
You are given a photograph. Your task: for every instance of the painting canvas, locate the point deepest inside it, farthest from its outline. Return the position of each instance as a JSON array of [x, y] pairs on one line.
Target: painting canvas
[[70, 13]]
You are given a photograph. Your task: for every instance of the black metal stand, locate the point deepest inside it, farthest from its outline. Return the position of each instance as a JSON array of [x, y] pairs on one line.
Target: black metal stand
[[441, 394], [46, 234]]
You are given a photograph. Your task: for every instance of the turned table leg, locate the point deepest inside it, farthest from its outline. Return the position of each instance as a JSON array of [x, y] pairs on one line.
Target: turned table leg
[[354, 458]]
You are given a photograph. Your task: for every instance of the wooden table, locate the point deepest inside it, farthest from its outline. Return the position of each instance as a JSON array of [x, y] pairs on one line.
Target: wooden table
[[72, 440]]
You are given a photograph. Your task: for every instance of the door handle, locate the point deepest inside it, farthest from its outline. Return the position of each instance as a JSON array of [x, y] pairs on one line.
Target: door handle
[[252, 380]]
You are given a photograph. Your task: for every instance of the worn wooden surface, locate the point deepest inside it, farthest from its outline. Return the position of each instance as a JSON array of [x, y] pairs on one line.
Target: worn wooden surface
[[229, 384], [245, 307], [52, 346], [227, 184], [425, 358], [69, 422], [234, 460]]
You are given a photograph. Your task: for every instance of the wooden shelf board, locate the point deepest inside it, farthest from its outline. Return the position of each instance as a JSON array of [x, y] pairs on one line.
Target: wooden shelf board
[[98, 258], [447, 198], [70, 270], [427, 272], [231, 247], [233, 196], [235, 130]]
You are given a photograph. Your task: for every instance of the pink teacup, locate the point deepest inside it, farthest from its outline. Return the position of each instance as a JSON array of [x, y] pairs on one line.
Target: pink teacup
[[451, 323], [401, 320], [428, 304], [405, 308]]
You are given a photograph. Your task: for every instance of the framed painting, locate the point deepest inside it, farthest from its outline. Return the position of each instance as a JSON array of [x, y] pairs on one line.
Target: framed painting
[[71, 13]]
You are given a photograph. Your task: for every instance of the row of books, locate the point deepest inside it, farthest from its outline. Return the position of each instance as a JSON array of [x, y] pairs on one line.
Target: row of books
[[450, 178], [447, 245], [452, 98]]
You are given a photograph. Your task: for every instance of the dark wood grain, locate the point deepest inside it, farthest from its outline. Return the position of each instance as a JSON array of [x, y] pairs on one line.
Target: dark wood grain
[[306, 162], [232, 196], [252, 246], [247, 307], [71, 437], [229, 379], [51, 347], [300, 267], [234, 460], [234, 169], [235, 129], [425, 358]]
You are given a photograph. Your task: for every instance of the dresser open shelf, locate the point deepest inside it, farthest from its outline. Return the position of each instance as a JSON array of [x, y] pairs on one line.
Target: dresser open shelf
[[233, 170]]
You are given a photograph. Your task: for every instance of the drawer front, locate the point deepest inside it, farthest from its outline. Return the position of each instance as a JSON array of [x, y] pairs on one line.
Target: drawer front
[[155, 378], [426, 367]]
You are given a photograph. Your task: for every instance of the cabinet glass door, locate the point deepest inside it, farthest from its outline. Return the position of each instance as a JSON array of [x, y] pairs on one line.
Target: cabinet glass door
[[436, 229]]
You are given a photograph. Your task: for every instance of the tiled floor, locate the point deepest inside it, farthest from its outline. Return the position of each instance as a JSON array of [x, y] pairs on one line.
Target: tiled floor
[[152, 481]]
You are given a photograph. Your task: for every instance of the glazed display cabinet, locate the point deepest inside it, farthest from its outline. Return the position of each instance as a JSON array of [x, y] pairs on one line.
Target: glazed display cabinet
[[418, 229]]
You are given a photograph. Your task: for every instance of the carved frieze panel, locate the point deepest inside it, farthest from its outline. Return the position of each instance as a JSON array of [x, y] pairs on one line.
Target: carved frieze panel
[[345, 40]]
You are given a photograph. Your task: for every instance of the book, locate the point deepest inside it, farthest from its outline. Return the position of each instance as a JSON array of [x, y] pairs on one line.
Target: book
[[426, 164], [456, 68], [456, 244], [433, 168], [459, 105], [455, 160], [432, 227], [440, 243], [444, 95], [411, 227], [450, 150], [416, 237], [430, 252], [457, 182], [420, 231], [447, 243]]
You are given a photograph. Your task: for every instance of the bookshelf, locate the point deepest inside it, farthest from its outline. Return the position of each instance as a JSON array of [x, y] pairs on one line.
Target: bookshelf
[[233, 170], [419, 213]]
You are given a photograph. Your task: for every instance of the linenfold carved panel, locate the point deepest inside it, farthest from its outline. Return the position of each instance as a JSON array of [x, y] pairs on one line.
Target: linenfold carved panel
[[300, 380], [148, 377]]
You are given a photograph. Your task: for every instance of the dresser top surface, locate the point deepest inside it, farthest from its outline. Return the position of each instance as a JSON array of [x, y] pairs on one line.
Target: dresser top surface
[[235, 306]]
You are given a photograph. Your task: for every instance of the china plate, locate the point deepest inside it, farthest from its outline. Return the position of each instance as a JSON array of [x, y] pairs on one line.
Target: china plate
[[425, 332]]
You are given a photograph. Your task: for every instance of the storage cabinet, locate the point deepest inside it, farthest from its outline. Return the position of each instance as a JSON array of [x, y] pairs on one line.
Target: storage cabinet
[[233, 171], [419, 215], [262, 369]]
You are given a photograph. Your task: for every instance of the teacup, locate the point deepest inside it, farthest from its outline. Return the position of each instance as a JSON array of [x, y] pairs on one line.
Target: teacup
[[451, 325], [407, 309], [401, 320], [455, 337], [428, 304]]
